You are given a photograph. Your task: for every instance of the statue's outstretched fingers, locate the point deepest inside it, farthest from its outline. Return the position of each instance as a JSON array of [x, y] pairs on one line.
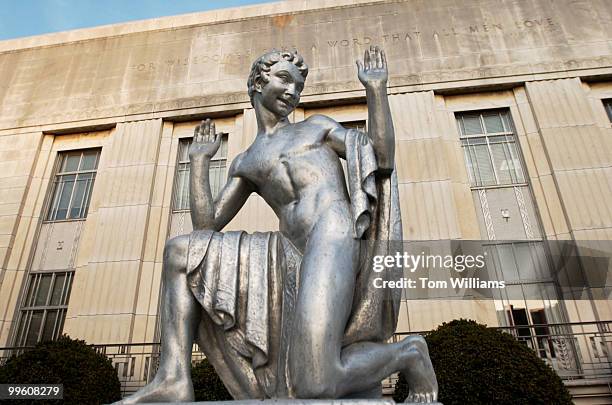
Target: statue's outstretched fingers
[[378, 57], [197, 133], [207, 130]]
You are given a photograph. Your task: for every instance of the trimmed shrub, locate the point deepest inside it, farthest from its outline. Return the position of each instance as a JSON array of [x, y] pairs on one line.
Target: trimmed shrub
[[88, 377], [207, 384], [478, 365]]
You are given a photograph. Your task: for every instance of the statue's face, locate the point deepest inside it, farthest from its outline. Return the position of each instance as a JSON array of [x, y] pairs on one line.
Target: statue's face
[[281, 94]]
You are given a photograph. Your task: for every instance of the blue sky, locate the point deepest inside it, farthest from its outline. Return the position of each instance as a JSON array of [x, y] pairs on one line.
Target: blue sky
[[21, 18]]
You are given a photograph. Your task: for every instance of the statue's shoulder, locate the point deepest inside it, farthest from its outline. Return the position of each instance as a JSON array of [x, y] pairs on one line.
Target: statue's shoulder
[[322, 125], [237, 164], [322, 120]]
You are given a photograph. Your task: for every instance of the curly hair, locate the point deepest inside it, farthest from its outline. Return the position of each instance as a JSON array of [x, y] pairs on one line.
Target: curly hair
[[265, 62]]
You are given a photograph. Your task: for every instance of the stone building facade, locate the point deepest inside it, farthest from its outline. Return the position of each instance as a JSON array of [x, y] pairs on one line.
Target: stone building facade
[[502, 112]]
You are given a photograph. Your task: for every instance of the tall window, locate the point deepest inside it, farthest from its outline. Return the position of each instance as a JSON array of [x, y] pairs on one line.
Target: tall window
[[489, 147], [608, 105], [217, 173], [73, 184], [44, 306]]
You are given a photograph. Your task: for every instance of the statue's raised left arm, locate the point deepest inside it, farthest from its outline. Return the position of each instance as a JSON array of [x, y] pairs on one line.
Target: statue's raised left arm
[[373, 74]]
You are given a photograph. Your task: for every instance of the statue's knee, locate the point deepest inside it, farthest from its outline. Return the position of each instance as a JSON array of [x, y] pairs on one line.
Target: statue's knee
[[416, 344], [418, 341], [175, 253]]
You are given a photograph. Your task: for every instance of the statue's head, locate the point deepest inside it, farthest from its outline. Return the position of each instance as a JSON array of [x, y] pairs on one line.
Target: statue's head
[[277, 80]]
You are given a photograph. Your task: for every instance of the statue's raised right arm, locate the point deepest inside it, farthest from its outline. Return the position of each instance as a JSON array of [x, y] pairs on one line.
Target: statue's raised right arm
[[207, 213], [373, 74]]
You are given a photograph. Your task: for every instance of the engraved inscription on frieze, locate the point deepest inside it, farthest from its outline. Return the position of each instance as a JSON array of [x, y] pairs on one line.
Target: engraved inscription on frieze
[[358, 40]]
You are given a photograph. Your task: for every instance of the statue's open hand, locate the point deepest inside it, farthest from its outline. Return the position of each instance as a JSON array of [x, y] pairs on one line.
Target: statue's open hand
[[206, 141], [373, 70]]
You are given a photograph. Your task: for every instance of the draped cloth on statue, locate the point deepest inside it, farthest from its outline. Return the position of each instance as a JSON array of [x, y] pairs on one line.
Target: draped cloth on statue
[[247, 285]]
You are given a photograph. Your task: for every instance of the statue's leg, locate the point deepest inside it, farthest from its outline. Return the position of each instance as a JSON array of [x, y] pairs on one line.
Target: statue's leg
[[325, 296], [318, 366], [180, 315]]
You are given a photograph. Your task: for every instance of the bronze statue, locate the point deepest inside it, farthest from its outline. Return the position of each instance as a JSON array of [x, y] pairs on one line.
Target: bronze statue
[[291, 314]]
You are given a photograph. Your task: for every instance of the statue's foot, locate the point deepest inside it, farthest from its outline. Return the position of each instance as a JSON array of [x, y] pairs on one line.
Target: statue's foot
[[419, 372], [162, 390]]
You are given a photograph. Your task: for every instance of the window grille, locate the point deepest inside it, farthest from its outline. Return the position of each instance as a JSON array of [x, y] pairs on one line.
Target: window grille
[[44, 306], [73, 184], [217, 173], [490, 149]]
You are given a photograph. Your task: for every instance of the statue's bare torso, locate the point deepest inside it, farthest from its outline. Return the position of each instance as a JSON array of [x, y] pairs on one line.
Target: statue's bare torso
[[297, 173]]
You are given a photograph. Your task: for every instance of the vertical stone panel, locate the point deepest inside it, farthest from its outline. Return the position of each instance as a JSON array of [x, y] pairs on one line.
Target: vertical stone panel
[[430, 169], [546, 194], [235, 140], [249, 132], [148, 294], [576, 152], [23, 158], [118, 229], [17, 159]]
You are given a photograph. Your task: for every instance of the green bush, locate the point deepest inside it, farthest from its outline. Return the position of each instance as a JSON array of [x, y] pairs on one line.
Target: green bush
[[477, 365], [206, 383], [88, 377]]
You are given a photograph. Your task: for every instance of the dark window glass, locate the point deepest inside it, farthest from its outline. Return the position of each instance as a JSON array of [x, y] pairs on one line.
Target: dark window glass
[[608, 106]]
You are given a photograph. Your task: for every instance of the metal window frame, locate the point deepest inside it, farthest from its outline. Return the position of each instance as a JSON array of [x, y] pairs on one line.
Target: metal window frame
[[55, 196], [509, 132], [27, 309]]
